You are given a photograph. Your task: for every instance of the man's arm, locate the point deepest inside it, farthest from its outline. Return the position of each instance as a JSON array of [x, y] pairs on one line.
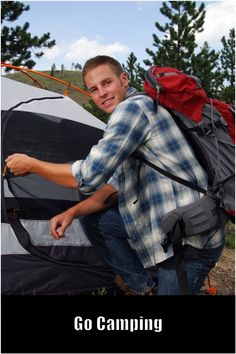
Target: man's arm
[[102, 199], [21, 164]]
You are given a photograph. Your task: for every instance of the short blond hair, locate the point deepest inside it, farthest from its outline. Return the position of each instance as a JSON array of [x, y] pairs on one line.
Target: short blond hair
[[100, 60]]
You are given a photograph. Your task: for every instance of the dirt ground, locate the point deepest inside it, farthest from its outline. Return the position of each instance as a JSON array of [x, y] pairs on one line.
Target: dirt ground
[[222, 277]]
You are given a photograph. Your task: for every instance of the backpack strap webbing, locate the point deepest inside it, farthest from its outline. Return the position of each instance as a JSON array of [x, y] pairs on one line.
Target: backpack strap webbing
[[171, 176], [175, 237]]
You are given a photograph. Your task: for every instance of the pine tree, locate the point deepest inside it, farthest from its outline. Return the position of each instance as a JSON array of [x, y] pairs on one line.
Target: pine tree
[[135, 72], [227, 58], [205, 66], [53, 69], [177, 46], [18, 44], [62, 70], [78, 66]]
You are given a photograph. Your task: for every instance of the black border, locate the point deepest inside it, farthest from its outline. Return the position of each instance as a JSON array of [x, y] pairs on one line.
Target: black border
[[45, 324]]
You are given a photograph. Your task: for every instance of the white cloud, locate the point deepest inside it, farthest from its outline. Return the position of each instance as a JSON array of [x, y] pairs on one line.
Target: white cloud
[[220, 18], [83, 48], [54, 52]]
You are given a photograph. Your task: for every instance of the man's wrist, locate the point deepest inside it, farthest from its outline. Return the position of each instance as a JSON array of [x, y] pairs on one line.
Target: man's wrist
[[33, 165]]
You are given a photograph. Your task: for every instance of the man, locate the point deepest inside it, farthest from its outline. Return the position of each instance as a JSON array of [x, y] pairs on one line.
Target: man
[[145, 196]]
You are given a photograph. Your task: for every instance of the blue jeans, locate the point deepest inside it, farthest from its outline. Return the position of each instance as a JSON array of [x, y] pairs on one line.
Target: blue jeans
[[198, 264], [106, 232]]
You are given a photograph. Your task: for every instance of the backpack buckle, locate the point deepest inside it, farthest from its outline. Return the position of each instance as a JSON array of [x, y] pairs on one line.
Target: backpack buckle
[[220, 195], [166, 243], [158, 89]]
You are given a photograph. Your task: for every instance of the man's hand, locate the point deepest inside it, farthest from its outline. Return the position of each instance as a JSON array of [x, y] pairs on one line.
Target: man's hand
[[20, 164], [59, 224], [93, 204], [60, 173]]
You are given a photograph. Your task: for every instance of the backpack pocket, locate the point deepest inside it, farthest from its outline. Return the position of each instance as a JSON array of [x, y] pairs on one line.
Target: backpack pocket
[[197, 218]]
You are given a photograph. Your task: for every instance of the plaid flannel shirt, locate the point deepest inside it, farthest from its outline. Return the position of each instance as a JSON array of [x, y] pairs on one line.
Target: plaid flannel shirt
[[145, 195]]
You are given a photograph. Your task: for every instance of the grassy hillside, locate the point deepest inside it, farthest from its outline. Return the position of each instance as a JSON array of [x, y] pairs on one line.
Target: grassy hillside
[[73, 77]]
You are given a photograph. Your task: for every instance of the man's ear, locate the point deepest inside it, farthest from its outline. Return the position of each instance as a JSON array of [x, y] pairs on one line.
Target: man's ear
[[125, 79]]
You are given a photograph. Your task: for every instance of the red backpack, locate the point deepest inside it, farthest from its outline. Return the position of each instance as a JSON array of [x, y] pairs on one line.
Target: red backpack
[[207, 123], [227, 112], [209, 127], [183, 93]]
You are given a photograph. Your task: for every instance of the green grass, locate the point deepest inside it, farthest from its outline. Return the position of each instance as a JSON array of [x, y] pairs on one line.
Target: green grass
[[72, 77], [230, 236]]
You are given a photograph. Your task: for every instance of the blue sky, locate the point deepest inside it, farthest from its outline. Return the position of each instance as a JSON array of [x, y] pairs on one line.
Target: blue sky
[[86, 28]]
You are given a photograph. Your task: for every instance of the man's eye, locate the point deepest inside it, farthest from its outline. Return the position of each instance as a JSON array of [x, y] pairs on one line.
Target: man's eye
[[93, 90], [108, 82]]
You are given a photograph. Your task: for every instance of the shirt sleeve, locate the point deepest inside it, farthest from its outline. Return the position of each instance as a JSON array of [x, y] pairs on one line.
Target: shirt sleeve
[[114, 180], [127, 129]]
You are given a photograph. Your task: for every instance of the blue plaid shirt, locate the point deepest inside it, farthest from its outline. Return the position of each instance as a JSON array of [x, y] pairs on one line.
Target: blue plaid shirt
[[134, 126]]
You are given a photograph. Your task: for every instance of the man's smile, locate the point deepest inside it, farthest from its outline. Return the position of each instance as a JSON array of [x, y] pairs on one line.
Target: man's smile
[[107, 101]]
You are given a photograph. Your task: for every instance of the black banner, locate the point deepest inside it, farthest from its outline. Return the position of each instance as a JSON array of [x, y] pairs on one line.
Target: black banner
[[118, 324]]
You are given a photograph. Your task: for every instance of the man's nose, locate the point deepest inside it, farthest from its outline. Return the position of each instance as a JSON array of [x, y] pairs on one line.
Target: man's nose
[[102, 91]]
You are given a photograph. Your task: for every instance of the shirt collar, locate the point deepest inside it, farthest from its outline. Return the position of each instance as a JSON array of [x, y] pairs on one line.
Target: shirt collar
[[129, 92]]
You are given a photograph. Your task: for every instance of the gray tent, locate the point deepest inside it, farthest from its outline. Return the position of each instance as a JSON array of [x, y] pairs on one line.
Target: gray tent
[[54, 128]]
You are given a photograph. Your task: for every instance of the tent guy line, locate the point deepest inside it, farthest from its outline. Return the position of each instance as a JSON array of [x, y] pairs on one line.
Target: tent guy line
[[25, 71]]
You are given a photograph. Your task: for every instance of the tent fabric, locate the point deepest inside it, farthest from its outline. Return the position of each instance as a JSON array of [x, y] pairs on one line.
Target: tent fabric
[[50, 127], [30, 275], [13, 93], [75, 236]]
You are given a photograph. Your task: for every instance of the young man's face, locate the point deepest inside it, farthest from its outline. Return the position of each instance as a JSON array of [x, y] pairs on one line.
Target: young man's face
[[106, 88]]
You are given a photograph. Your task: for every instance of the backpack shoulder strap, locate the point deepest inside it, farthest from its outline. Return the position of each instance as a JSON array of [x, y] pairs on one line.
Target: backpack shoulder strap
[[171, 176], [142, 93], [159, 169]]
